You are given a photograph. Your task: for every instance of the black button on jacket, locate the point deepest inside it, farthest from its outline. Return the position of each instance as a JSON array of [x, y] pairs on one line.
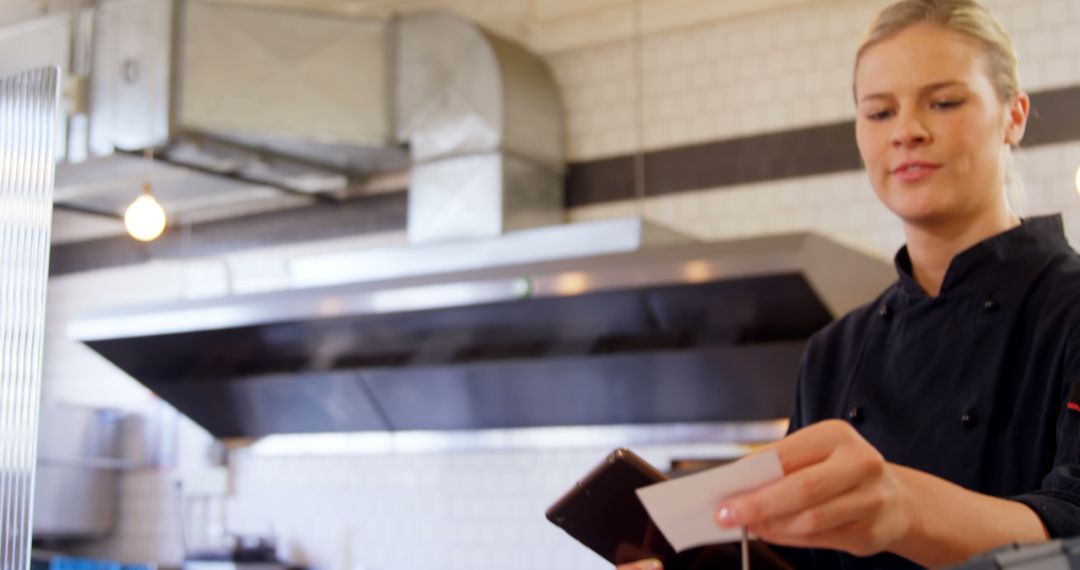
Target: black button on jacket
[[973, 385]]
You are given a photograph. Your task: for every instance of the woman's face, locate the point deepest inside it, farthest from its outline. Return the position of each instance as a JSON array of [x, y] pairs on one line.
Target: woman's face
[[931, 128]]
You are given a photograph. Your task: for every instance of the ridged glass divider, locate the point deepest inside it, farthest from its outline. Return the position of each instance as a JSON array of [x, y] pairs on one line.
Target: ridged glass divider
[[28, 106]]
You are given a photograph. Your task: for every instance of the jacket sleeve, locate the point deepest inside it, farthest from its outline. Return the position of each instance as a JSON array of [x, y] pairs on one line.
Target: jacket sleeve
[[1058, 501]]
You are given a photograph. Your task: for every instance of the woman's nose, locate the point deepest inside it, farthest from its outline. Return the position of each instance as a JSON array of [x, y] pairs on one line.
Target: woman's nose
[[909, 131]]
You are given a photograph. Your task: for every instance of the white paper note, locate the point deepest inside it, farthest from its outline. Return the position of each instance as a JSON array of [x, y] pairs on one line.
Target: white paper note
[[683, 508]]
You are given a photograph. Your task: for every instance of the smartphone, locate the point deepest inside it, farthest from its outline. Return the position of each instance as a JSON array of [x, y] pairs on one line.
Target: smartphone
[[603, 512]]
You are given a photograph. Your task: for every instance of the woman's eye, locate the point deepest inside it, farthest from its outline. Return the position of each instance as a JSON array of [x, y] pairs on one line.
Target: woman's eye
[[947, 104], [878, 115]]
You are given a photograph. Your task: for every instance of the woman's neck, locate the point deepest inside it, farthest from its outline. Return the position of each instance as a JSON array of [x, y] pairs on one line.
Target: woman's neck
[[932, 247]]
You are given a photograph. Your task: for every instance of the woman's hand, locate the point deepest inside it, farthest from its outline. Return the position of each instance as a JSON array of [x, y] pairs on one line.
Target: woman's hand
[[649, 564], [837, 492]]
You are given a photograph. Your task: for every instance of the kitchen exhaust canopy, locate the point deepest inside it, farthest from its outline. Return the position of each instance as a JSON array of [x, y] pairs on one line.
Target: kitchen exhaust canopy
[[603, 330], [495, 315]]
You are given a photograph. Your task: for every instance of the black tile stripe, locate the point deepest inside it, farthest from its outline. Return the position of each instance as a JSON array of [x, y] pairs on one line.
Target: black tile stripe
[[774, 156], [814, 150], [1055, 117]]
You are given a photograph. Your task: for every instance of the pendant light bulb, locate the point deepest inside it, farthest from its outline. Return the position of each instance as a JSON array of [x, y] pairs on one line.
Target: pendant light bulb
[[145, 218]]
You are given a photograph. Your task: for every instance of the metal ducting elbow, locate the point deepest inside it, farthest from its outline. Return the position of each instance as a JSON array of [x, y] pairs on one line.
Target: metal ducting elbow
[[484, 124]]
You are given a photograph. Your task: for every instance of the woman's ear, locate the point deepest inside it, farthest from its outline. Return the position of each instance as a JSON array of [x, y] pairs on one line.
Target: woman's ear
[[1016, 118]]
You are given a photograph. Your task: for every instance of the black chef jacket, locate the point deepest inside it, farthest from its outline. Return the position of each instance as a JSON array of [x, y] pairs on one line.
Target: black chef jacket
[[973, 385]]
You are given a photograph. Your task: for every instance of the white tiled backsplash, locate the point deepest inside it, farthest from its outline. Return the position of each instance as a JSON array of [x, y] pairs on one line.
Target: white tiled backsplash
[[776, 71], [461, 510], [769, 72]]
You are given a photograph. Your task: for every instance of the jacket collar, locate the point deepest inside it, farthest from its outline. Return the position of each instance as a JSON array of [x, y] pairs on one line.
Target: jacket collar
[[1043, 234]]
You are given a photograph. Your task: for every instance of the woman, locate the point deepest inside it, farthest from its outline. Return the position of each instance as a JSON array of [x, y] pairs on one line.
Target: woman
[[937, 422]]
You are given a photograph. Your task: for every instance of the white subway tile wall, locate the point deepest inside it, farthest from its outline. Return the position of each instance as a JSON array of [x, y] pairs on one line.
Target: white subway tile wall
[[461, 510], [764, 73], [774, 71], [147, 526], [449, 511]]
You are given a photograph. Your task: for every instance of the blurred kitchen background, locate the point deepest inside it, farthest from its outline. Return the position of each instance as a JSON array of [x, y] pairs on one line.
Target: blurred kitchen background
[[428, 261]]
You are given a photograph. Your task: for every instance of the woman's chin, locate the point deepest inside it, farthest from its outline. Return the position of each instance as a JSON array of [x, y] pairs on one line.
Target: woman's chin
[[922, 213], [912, 203]]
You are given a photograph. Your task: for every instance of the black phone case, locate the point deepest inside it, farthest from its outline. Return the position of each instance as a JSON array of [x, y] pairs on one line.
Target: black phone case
[[603, 513]]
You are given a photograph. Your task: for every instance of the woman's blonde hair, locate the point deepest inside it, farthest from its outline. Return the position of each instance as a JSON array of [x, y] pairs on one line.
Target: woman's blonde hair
[[972, 19]]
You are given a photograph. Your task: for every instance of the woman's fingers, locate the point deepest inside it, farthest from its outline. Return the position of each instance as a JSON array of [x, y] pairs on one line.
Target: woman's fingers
[[813, 444], [820, 462], [863, 503], [800, 491], [852, 537], [837, 492]]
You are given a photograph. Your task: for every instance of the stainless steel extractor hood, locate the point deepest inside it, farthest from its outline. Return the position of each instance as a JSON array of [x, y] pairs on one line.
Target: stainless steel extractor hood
[[496, 315], [613, 332]]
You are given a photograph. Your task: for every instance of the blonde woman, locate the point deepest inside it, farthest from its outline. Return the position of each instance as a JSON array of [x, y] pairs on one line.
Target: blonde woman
[[943, 419]]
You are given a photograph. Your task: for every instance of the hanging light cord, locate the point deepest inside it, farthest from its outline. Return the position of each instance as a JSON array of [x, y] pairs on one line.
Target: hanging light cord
[[639, 104], [148, 153]]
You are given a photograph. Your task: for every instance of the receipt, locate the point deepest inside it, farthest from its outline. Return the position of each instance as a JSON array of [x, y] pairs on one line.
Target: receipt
[[683, 508]]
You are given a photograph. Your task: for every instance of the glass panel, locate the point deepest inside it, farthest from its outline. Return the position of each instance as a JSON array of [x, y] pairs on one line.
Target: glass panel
[[28, 104]]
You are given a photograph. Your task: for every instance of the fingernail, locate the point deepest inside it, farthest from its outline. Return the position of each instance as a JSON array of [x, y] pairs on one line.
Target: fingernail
[[650, 565], [725, 516]]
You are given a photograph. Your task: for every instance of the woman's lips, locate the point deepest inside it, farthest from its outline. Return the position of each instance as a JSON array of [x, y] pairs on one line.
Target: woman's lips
[[914, 171]]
